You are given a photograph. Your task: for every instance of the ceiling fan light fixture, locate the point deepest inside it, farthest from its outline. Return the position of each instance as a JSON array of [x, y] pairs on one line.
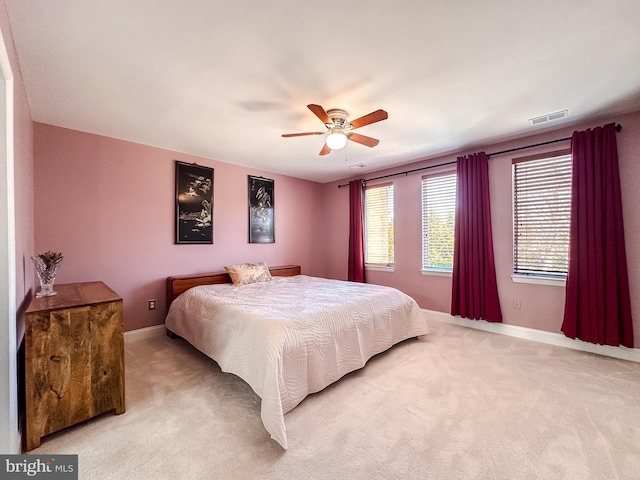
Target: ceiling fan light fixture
[[336, 139]]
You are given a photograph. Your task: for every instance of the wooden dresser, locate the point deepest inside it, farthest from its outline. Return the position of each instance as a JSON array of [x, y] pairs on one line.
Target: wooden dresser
[[74, 358]]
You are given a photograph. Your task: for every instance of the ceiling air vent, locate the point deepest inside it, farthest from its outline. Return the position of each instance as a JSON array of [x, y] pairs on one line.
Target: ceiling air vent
[[548, 117]]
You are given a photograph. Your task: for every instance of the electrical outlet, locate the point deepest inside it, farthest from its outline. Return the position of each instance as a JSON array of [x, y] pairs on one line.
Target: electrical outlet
[[152, 304], [516, 303]]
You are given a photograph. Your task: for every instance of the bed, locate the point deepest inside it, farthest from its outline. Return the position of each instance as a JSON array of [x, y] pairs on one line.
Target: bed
[[291, 335]]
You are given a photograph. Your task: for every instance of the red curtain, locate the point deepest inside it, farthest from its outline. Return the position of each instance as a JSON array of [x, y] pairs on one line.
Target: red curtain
[[356, 231], [474, 290], [597, 306]]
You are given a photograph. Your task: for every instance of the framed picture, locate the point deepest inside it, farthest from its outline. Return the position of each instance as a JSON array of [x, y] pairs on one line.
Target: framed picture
[[194, 203], [261, 210]]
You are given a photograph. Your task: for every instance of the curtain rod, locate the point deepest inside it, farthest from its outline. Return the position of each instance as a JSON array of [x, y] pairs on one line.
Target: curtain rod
[[489, 155]]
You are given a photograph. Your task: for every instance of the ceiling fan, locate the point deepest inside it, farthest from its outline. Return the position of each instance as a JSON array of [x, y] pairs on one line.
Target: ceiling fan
[[340, 128]]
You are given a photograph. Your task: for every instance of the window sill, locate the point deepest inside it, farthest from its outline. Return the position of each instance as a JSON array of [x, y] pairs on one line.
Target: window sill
[[436, 273], [554, 282], [380, 268]]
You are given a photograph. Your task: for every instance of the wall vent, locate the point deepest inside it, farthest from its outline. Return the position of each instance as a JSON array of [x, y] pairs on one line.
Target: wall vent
[[548, 117]]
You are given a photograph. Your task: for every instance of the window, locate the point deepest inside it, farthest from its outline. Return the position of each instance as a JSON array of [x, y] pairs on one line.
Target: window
[[541, 209], [378, 225], [438, 221]]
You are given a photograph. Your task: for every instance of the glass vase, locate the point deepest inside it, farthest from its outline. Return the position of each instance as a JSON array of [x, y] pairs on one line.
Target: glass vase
[[46, 275]]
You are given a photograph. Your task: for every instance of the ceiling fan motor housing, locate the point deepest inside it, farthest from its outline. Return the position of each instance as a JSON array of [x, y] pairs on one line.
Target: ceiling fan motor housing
[[338, 118]]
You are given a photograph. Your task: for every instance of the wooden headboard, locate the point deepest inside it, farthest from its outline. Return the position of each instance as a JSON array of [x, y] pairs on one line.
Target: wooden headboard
[[182, 283]]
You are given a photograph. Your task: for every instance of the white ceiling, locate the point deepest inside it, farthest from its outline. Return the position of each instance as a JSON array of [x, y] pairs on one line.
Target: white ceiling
[[223, 80]]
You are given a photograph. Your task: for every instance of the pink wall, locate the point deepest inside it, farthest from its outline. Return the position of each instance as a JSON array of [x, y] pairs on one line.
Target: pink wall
[[542, 306], [108, 206]]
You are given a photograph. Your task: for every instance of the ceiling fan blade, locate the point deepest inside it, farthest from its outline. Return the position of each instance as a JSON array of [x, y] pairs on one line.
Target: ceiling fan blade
[[372, 117], [319, 112], [286, 135], [325, 150], [364, 140]]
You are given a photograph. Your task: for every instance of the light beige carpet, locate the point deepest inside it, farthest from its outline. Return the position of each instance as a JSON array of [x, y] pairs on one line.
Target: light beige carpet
[[460, 404]]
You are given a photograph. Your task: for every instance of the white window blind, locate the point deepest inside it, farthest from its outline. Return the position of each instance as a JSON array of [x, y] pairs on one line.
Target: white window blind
[[378, 225], [438, 221], [542, 204]]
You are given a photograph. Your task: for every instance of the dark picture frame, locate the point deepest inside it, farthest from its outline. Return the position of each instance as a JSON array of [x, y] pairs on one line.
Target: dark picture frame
[[261, 210], [194, 204]]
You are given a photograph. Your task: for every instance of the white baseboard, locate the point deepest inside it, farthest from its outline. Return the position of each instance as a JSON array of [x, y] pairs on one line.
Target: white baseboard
[[624, 353], [142, 333]]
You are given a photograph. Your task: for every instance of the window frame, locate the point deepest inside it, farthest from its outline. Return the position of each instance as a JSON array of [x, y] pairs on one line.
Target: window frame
[[381, 266], [435, 270], [543, 277]]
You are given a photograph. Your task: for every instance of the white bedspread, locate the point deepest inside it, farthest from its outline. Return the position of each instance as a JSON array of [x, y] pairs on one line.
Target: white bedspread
[[293, 336]]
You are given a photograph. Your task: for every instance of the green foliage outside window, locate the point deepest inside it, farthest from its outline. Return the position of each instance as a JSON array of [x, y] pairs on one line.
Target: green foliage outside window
[[439, 240]]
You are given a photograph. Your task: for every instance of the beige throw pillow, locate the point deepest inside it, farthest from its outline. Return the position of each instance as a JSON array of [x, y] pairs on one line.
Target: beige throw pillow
[[246, 273]]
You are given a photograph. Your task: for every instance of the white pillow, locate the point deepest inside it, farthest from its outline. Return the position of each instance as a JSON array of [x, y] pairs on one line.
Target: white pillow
[[246, 273]]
